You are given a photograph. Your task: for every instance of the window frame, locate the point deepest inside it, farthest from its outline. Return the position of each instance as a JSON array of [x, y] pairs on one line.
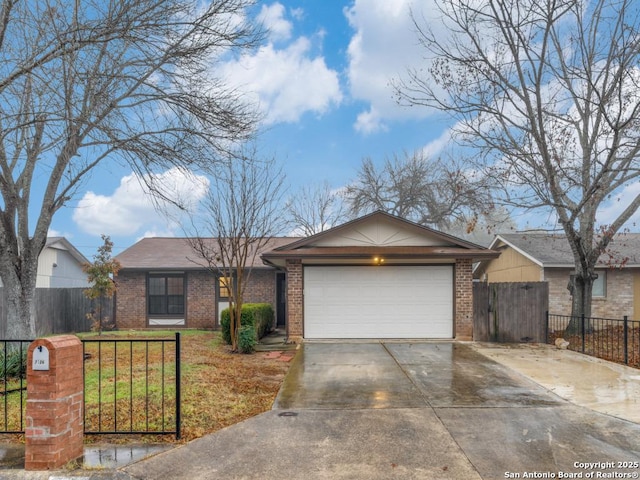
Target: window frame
[[220, 288], [166, 295], [602, 277]]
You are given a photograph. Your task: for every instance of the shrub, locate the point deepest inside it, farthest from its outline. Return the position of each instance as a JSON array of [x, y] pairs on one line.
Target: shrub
[[15, 365], [247, 339], [258, 315]]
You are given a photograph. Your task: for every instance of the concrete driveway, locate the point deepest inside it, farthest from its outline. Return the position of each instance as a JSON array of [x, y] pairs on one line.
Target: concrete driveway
[[408, 411]]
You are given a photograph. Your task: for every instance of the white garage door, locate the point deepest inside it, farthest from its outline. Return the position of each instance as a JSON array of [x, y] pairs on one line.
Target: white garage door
[[378, 302]]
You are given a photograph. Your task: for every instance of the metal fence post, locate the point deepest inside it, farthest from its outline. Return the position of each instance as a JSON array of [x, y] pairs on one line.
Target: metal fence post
[[626, 340], [582, 330], [178, 392], [546, 327]]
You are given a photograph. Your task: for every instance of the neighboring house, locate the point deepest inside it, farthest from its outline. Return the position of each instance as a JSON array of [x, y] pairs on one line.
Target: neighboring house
[[60, 265], [535, 257], [162, 282], [376, 277]]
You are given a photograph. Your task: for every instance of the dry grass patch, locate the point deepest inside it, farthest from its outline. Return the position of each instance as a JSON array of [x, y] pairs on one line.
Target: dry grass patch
[[219, 388]]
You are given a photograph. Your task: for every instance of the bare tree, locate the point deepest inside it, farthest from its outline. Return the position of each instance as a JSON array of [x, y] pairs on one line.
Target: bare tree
[[428, 192], [240, 215], [315, 208], [547, 92], [88, 82]]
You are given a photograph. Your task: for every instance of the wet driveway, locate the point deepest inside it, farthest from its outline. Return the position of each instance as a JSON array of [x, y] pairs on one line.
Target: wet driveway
[[426, 410], [503, 422], [403, 375]]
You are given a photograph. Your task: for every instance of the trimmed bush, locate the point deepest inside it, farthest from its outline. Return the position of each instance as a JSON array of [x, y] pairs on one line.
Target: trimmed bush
[[258, 315], [247, 339]]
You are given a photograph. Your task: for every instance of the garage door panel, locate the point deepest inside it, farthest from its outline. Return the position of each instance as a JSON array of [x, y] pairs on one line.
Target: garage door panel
[[378, 302]]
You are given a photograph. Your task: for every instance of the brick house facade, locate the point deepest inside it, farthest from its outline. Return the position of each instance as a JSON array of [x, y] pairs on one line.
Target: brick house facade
[[397, 277], [534, 257], [159, 285]]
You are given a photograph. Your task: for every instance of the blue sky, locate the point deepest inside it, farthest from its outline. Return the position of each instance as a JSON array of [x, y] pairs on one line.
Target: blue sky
[[322, 82]]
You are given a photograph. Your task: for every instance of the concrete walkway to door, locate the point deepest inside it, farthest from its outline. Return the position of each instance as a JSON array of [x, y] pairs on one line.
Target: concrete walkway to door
[[405, 411]]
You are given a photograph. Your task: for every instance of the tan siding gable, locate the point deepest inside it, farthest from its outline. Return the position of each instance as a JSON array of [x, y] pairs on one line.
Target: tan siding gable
[[511, 266], [380, 232]]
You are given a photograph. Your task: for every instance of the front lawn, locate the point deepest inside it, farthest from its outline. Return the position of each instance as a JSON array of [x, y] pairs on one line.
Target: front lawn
[[218, 388]]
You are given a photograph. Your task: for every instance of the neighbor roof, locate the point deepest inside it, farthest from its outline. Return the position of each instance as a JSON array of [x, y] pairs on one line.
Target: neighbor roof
[[553, 250], [61, 243], [162, 253]]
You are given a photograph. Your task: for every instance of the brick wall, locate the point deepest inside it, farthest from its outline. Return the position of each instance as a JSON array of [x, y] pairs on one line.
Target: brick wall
[[463, 300], [201, 303], [617, 303], [131, 300], [261, 287], [294, 300], [201, 300]]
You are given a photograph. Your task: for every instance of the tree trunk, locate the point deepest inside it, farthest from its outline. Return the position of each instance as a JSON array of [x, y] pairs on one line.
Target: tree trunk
[[19, 268], [21, 309], [582, 289]]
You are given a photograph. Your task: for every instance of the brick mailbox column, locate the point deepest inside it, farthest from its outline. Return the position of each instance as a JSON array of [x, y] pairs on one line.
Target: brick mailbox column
[[54, 418]]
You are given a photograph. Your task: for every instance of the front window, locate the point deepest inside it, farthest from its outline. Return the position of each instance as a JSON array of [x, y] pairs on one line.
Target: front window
[[600, 284], [166, 295], [223, 287]]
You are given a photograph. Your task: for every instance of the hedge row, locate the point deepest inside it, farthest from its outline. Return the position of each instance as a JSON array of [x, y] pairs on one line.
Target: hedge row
[[258, 315]]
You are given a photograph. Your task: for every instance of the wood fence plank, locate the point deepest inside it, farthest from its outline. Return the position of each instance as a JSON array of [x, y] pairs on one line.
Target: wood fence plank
[[510, 312], [60, 310]]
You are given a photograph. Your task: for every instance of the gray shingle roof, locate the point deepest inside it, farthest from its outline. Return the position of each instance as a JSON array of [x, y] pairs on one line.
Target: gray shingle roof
[[553, 250], [160, 253]]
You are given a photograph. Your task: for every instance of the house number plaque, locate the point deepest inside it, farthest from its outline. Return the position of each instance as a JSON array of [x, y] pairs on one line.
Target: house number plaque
[[40, 358]]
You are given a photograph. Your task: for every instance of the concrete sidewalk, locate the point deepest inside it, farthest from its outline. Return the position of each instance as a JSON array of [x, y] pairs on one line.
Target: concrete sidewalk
[[602, 386]]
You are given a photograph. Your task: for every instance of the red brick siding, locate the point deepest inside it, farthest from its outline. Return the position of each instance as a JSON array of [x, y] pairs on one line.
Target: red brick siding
[[201, 300], [131, 300], [54, 420], [294, 300], [261, 287], [201, 303], [463, 300]]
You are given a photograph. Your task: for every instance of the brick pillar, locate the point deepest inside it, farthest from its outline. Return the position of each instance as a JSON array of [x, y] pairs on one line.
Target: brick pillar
[[294, 301], [464, 299], [54, 414]]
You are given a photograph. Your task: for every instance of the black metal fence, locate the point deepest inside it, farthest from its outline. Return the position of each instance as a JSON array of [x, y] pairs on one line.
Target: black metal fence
[[131, 386], [617, 340], [13, 361]]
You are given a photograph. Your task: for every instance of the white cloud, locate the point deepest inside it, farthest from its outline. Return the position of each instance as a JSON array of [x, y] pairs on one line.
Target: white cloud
[[131, 208], [618, 203], [272, 17], [369, 122], [383, 46], [286, 82], [57, 233]]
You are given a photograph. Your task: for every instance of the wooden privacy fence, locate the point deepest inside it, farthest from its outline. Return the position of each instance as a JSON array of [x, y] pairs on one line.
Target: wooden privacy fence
[[60, 310], [510, 312]]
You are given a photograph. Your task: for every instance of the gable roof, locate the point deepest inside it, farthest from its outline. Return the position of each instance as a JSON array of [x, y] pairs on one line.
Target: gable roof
[[553, 250], [375, 234], [164, 253], [61, 243]]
